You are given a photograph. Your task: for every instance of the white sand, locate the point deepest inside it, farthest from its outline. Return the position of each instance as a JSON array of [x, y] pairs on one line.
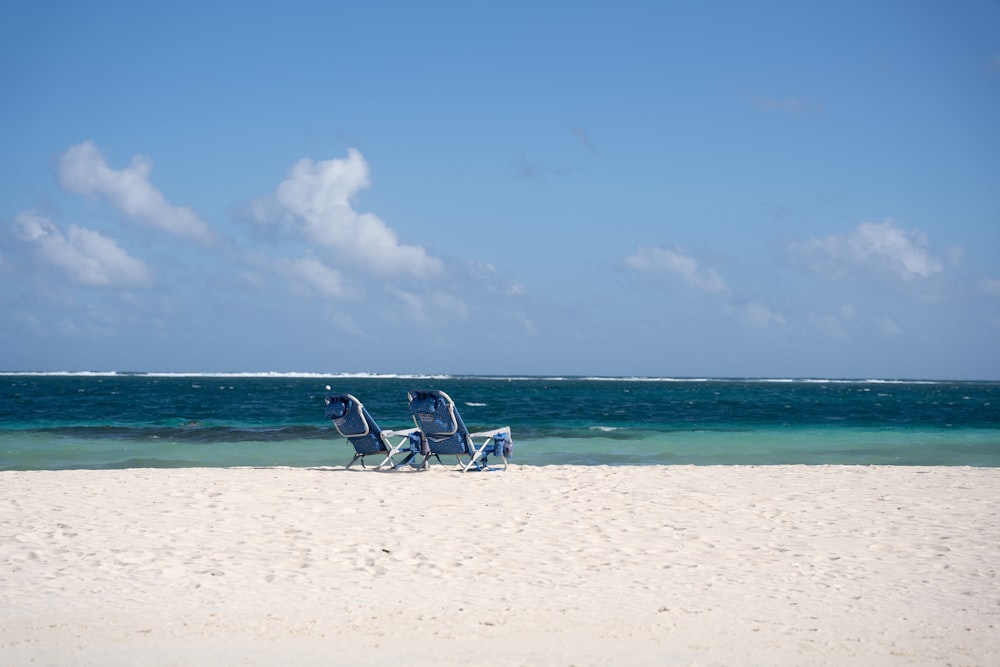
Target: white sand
[[567, 565]]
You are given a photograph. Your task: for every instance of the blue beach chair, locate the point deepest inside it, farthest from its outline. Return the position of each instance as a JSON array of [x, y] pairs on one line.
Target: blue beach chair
[[352, 421], [444, 432]]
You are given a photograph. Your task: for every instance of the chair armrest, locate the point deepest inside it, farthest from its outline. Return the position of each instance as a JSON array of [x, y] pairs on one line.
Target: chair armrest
[[490, 434], [402, 431]]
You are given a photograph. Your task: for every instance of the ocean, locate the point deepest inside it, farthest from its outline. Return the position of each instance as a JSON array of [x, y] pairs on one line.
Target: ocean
[[133, 420]]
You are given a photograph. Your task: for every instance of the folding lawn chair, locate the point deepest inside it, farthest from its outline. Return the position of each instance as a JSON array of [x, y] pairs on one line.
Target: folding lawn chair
[[444, 432], [353, 422]]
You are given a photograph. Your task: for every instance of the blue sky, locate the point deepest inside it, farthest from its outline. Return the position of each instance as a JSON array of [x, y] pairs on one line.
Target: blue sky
[[778, 189]]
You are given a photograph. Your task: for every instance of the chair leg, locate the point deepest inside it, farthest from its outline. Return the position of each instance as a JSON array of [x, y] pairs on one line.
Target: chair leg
[[476, 458], [406, 459], [388, 459], [425, 463]]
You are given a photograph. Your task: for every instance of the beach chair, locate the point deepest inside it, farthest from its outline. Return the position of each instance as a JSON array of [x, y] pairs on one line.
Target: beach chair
[[444, 432], [352, 421]]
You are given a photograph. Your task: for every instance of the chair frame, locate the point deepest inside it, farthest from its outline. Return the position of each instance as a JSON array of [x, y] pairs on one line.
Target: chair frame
[[385, 435], [473, 451]]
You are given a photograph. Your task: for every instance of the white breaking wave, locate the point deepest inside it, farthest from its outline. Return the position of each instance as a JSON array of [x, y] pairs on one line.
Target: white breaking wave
[[249, 374], [446, 376]]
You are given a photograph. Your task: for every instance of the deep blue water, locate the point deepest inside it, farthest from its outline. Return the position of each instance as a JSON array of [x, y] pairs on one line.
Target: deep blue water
[[121, 421]]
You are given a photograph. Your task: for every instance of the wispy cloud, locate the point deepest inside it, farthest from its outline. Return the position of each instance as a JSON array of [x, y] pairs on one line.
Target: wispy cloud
[[530, 170], [427, 308], [312, 276], [792, 104], [832, 326], [887, 325], [990, 287], [756, 315], [315, 200], [344, 323], [486, 274], [85, 257], [848, 322], [675, 264], [881, 247], [583, 139], [82, 169]]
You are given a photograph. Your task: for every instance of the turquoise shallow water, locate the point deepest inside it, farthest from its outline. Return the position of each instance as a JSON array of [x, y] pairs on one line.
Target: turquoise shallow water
[[142, 420]]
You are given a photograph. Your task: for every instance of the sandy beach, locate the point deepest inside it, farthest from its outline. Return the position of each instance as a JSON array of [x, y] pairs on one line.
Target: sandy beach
[[554, 565]]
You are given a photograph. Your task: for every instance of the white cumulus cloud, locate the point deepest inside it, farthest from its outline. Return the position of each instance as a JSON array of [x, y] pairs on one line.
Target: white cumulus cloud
[[84, 256], [317, 196], [83, 170], [880, 246], [675, 263]]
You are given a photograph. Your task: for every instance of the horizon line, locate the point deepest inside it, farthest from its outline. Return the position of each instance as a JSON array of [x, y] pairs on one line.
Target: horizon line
[[484, 376]]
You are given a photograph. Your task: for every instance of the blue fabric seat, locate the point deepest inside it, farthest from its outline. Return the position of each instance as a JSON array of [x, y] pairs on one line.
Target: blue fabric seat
[[352, 421], [444, 432]]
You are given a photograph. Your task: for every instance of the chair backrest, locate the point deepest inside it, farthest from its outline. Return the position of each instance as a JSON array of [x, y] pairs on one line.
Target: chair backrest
[[435, 414], [351, 419]]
